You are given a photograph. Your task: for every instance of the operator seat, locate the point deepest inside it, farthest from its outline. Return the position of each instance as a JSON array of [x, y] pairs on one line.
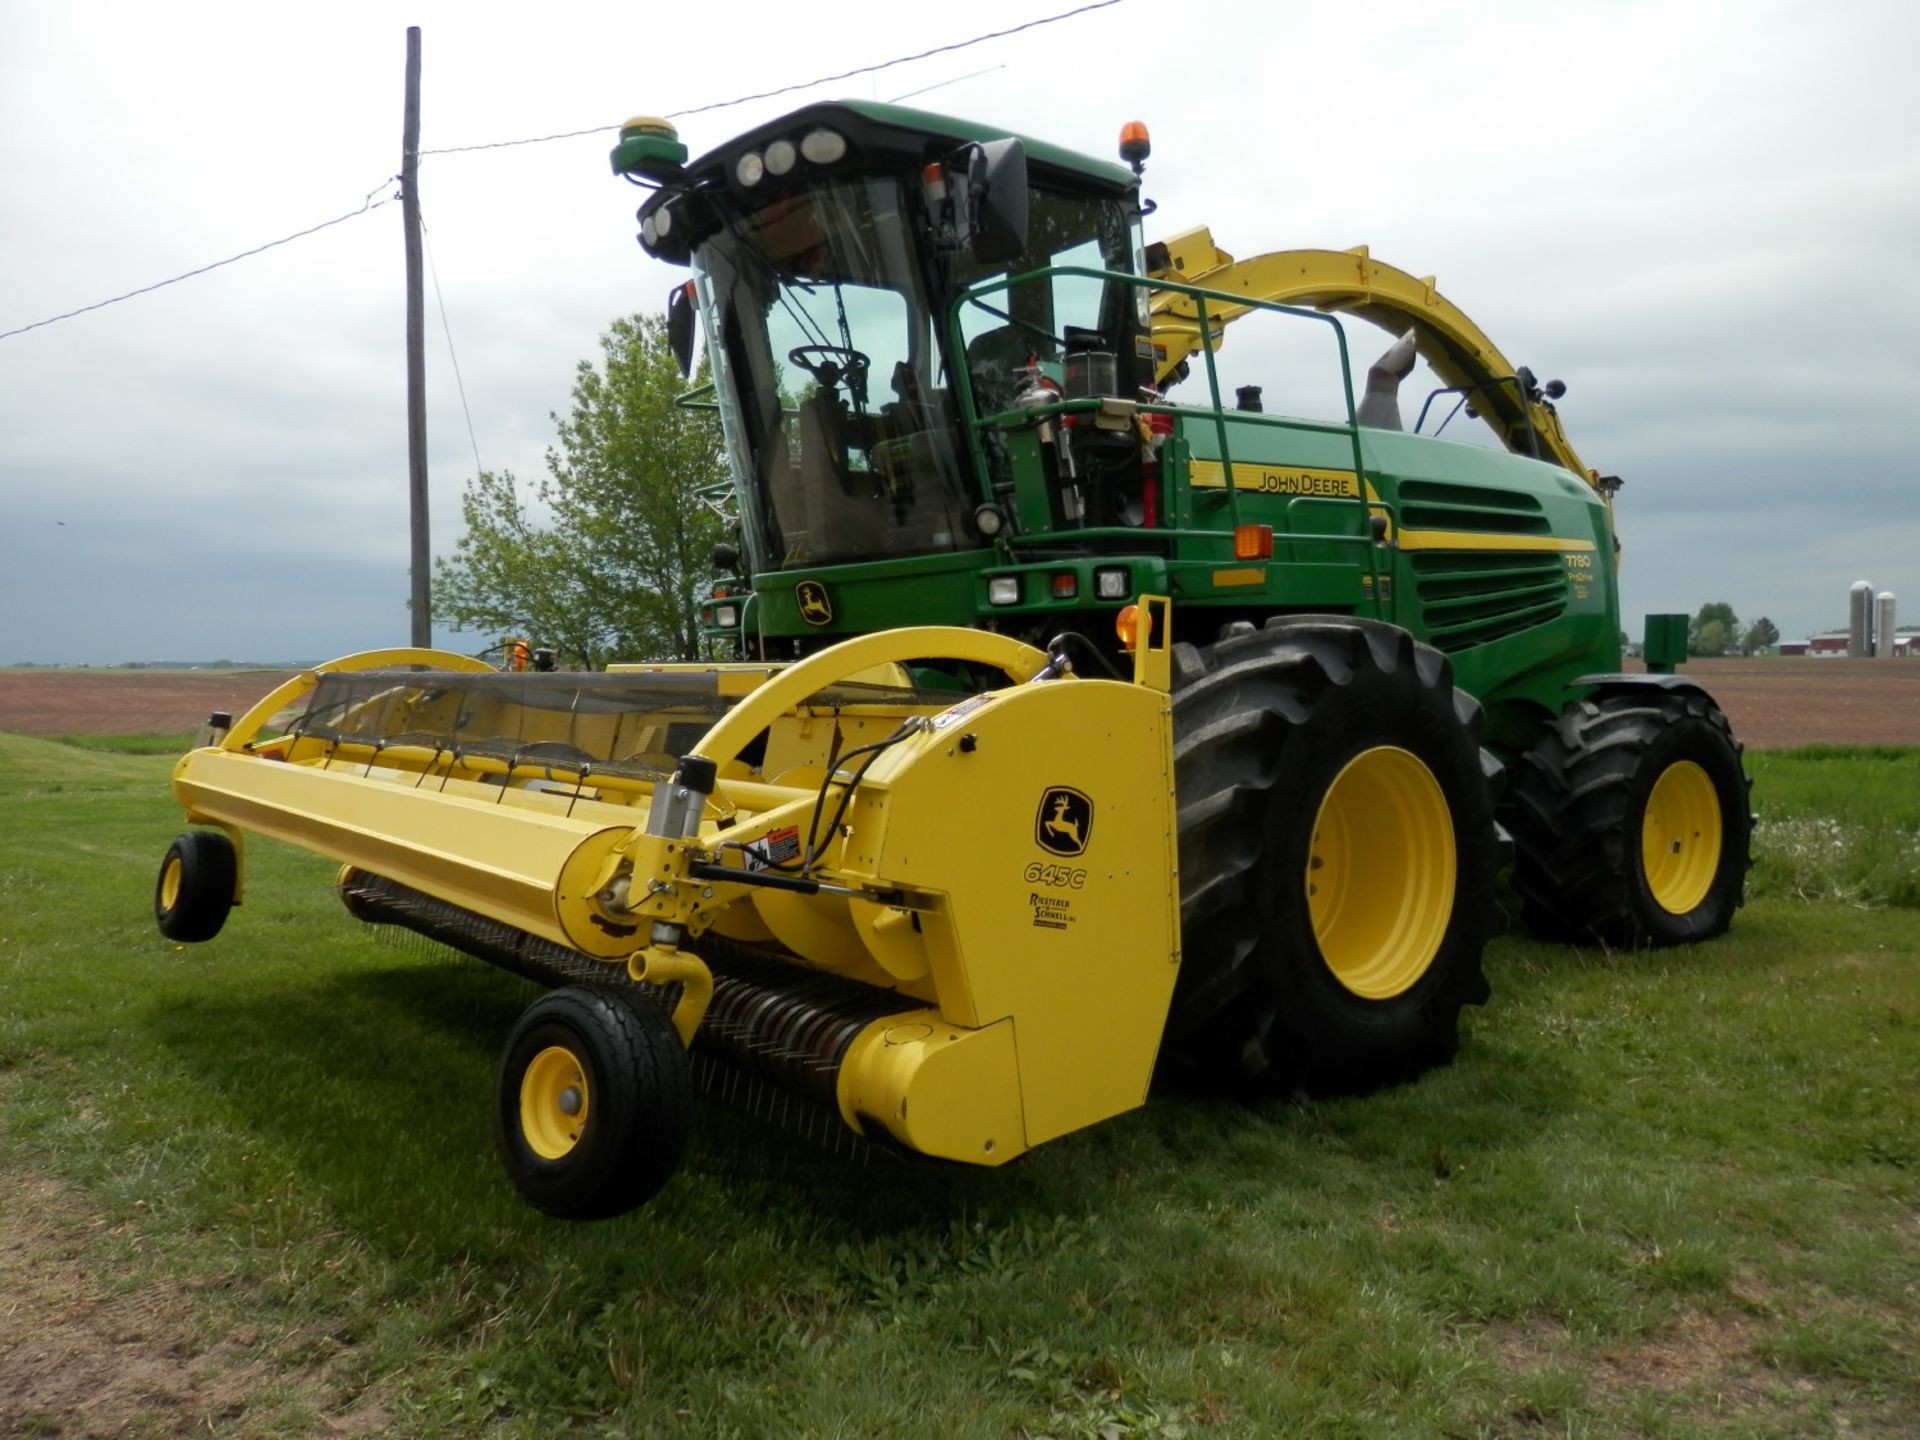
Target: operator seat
[[995, 359], [1380, 407], [843, 512]]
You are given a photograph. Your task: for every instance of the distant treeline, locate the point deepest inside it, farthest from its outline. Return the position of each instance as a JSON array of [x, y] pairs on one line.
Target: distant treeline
[[167, 665]]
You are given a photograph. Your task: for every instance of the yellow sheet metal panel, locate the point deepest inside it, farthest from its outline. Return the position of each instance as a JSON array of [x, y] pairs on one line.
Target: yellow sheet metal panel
[[1043, 818], [499, 860], [942, 1090]]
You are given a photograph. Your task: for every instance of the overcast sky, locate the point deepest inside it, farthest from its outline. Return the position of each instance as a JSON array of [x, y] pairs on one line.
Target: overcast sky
[[1702, 216]]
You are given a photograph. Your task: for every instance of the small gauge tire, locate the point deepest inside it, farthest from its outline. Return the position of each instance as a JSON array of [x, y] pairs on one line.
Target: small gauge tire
[[621, 1069], [195, 887], [1588, 864], [1270, 727]]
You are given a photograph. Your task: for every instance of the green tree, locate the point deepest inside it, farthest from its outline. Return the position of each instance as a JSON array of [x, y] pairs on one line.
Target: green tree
[[617, 569], [1713, 629], [1763, 634]]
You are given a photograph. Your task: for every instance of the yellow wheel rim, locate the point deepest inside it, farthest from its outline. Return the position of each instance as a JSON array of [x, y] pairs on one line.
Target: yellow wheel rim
[[1680, 838], [553, 1102], [170, 882], [1381, 874]]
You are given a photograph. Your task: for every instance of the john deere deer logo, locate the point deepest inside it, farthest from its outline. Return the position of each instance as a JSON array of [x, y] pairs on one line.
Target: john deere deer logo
[[815, 608], [1064, 824]]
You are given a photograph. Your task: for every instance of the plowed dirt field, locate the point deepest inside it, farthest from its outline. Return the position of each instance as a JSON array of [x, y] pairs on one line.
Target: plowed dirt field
[[125, 702], [1773, 703]]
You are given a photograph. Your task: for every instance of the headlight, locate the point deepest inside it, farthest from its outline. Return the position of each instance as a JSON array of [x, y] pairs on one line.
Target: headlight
[[726, 616], [749, 168], [1003, 590], [780, 157], [1110, 584], [823, 146]]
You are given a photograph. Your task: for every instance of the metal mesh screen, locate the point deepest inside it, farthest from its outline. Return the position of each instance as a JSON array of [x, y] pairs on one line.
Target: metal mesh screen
[[636, 725]]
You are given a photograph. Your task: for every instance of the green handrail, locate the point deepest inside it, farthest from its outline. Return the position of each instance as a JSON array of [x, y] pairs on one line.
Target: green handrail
[[976, 425]]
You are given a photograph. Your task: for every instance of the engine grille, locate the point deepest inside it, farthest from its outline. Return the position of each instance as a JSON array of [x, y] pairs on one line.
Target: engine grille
[[1435, 505], [1469, 599]]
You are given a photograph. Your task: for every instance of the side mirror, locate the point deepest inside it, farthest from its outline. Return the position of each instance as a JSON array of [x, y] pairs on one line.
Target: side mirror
[[997, 200], [680, 324]]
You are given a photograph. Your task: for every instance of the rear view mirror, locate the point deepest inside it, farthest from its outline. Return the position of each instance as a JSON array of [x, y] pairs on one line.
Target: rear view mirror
[[997, 200], [680, 326]]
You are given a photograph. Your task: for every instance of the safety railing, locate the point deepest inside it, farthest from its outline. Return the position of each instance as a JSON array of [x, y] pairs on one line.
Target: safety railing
[[977, 425]]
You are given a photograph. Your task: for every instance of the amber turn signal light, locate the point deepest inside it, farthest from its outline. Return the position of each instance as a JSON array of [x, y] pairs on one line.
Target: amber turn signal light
[[1253, 542], [1132, 625]]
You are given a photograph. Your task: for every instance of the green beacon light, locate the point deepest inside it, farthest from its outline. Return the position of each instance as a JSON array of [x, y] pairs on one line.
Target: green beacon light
[[651, 149]]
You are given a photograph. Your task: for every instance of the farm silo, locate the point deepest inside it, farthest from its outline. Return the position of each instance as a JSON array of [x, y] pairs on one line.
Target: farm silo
[[1860, 620]]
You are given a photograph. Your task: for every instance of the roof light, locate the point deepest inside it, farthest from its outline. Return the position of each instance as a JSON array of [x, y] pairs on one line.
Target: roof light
[[780, 157], [749, 169], [1135, 144], [649, 231], [823, 146], [1253, 542], [989, 519]]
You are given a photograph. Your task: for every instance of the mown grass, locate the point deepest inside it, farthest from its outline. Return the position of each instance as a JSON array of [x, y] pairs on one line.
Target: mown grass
[[1666, 1195], [174, 745], [1836, 823]]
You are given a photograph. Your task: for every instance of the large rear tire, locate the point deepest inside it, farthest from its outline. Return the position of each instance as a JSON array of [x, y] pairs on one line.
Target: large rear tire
[[1630, 821], [592, 1104], [1337, 857]]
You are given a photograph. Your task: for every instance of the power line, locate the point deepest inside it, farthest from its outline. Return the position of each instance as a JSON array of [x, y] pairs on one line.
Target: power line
[[942, 84], [440, 300], [902, 60], [369, 203], [798, 85], [530, 140]]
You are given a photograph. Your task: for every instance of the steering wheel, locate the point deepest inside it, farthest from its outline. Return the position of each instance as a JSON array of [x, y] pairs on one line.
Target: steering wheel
[[824, 369]]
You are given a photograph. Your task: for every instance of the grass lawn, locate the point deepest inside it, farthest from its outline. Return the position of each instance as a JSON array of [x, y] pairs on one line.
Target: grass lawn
[[1667, 1194]]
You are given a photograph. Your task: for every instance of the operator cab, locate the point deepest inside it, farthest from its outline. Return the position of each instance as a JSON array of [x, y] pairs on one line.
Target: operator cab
[[828, 249]]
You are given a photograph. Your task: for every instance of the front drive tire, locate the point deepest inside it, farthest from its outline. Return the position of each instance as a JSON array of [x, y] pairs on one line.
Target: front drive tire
[[592, 1103], [1337, 857], [1630, 821], [195, 887]]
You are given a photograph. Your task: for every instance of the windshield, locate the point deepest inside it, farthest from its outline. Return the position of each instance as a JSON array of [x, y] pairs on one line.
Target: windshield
[[827, 355], [1006, 330], [829, 380]]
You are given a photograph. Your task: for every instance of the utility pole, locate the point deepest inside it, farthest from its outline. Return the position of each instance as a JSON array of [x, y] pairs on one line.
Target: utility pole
[[419, 601]]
